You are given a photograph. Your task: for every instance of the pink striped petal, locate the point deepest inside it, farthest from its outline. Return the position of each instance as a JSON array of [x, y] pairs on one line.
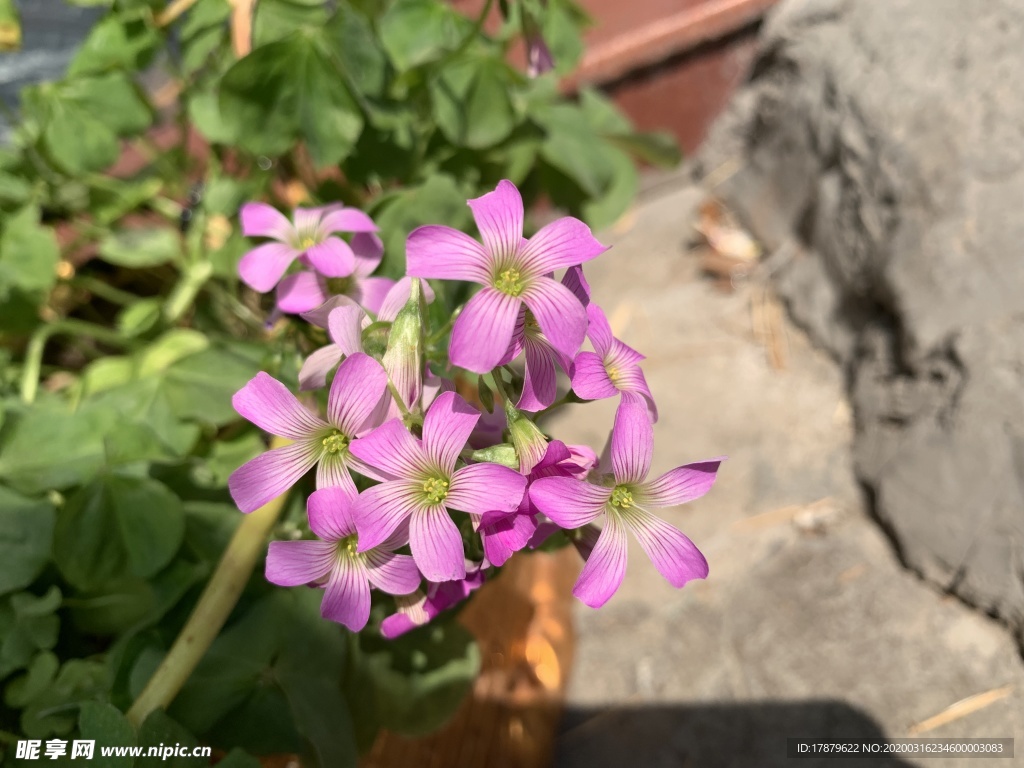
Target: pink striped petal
[[392, 451], [437, 545], [483, 331], [540, 384], [347, 599], [319, 315], [606, 567], [590, 379], [345, 326], [575, 281], [315, 369], [391, 573], [301, 292], [673, 554], [446, 254], [268, 404], [680, 485], [332, 472], [380, 510], [633, 384], [346, 220], [370, 292], [446, 427], [294, 563], [332, 258], [358, 387], [481, 488], [369, 251], [559, 313], [261, 220], [566, 242], [632, 443], [330, 512], [599, 331], [398, 297], [584, 457], [504, 534], [270, 474], [263, 266], [568, 501], [307, 220], [499, 217]]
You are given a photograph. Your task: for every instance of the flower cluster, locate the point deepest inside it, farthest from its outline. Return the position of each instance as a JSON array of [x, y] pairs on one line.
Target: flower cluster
[[420, 494]]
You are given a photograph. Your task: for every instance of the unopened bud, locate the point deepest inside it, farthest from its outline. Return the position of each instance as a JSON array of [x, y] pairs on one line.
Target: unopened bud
[[403, 359], [503, 453], [529, 441]]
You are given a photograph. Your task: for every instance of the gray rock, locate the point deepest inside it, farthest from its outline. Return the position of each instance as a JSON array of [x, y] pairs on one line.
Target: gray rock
[[881, 153]]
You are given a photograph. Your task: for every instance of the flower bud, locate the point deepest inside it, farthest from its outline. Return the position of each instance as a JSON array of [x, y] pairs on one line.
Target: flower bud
[[403, 359], [503, 453], [529, 441]]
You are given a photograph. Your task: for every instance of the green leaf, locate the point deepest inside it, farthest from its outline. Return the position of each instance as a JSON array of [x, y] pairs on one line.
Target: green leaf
[[276, 19], [574, 148], [137, 318], [159, 728], [200, 386], [658, 149], [28, 624], [292, 90], [117, 197], [116, 526], [28, 257], [107, 726], [177, 344], [26, 530], [414, 32], [116, 42], [51, 703], [602, 113], [141, 248], [472, 103], [113, 99], [358, 48], [605, 210], [148, 429]]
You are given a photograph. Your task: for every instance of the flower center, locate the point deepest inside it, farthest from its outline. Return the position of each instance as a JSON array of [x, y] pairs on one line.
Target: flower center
[[335, 442], [307, 242], [436, 490], [621, 497], [339, 285], [613, 372], [347, 547], [510, 282]]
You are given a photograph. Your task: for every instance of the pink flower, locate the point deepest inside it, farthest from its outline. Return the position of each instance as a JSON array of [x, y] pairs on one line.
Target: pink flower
[[624, 504], [309, 237], [421, 608], [333, 562], [420, 484], [613, 369], [513, 272], [354, 406]]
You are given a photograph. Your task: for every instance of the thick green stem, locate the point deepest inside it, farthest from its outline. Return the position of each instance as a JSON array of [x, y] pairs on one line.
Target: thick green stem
[[37, 345], [215, 605]]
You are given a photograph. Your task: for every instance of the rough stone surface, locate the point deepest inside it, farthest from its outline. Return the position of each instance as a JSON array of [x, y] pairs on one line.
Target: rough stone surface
[[880, 155], [808, 625]]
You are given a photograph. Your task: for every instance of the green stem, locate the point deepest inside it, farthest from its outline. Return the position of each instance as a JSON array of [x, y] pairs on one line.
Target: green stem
[[211, 612], [37, 345], [103, 290]]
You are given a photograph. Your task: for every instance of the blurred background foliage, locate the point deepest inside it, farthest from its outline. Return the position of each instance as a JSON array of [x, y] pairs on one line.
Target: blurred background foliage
[[125, 331]]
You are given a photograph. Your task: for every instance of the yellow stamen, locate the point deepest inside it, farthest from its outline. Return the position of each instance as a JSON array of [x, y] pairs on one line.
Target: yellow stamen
[[622, 498], [436, 490], [335, 442], [509, 282]]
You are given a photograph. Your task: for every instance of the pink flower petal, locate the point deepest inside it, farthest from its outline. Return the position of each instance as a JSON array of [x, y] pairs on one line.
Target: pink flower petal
[[569, 502], [380, 510], [294, 563], [446, 428], [398, 297], [590, 379], [347, 599], [574, 280], [606, 567], [680, 485], [269, 405], [446, 254], [540, 385], [332, 472], [392, 451], [633, 384], [673, 554], [301, 292], [315, 369], [346, 220], [483, 331], [358, 387], [370, 292], [330, 513], [559, 313], [319, 315], [437, 545], [599, 331], [632, 443], [391, 573], [270, 474], [369, 252], [499, 217], [263, 266], [504, 535], [332, 258], [481, 488], [566, 242], [261, 220], [345, 326]]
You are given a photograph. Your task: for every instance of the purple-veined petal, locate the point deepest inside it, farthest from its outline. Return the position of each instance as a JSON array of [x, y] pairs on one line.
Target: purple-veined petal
[[301, 292], [606, 567], [346, 220], [398, 297], [380, 510], [505, 534], [434, 387], [319, 315], [332, 258], [632, 442], [411, 614], [391, 573], [369, 251], [392, 451], [559, 314], [263, 266], [568, 501], [540, 384], [332, 472], [307, 220], [446, 254], [294, 563], [357, 388], [680, 485], [565, 242], [599, 331], [330, 512], [499, 217], [556, 453], [437, 545], [347, 599], [673, 554], [575, 281], [446, 427], [268, 404], [632, 384], [622, 355], [584, 457], [345, 326], [481, 488], [370, 292], [590, 379], [261, 220], [314, 371], [483, 331], [270, 474]]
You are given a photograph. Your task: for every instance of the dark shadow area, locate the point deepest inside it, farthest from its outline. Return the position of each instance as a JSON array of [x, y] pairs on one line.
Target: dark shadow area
[[711, 736]]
